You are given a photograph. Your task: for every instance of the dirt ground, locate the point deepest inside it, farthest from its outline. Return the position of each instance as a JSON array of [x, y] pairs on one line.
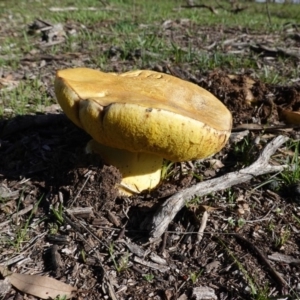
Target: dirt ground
[[105, 248]]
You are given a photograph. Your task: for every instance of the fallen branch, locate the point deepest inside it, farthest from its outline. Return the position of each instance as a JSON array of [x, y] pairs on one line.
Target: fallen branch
[[174, 204]]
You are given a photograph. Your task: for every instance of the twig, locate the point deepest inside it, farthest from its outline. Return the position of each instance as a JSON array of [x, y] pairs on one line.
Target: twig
[[164, 243], [175, 203], [202, 227], [276, 276], [88, 175]]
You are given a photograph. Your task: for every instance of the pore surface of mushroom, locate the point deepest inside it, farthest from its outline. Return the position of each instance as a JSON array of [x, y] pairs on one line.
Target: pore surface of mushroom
[[140, 117]]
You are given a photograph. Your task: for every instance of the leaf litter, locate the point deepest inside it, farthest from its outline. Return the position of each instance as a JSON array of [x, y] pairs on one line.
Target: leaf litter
[[39, 286]]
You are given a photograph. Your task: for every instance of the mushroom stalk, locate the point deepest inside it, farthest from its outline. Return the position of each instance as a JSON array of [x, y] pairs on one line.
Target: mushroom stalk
[[140, 171]]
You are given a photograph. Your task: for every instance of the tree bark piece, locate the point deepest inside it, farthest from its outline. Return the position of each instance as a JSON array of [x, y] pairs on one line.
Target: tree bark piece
[[174, 204]]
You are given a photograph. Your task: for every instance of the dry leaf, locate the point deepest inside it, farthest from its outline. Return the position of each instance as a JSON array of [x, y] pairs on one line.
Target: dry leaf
[[289, 116], [242, 206], [169, 294], [208, 208], [39, 286], [8, 84], [216, 164]]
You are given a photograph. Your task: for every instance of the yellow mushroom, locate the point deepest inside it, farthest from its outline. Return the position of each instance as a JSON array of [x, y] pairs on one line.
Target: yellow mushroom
[[140, 117]]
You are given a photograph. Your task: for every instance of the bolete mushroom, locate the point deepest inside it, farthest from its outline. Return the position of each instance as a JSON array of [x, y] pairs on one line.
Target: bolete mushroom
[[140, 117]]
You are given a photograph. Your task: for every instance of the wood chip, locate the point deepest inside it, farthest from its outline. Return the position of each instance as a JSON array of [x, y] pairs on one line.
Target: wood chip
[[113, 218], [203, 293], [134, 248], [81, 212], [157, 259], [160, 268]]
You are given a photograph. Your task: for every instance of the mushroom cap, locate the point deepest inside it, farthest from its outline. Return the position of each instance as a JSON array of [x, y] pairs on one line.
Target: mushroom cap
[[145, 111]]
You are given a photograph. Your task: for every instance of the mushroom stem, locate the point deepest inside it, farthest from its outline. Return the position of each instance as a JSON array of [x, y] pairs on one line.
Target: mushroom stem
[[140, 171]]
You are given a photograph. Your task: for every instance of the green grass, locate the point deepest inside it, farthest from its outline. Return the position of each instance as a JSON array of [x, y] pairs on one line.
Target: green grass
[[244, 151], [148, 277], [123, 19], [132, 26], [291, 175], [254, 16], [58, 214], [30, 96], [22, 229], [194, 276], [167, 169], [249, 278], [122, 264]]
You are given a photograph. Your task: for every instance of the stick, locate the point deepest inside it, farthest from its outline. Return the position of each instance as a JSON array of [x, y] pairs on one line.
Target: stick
[[274, 274], [202, 226], [174, 204]]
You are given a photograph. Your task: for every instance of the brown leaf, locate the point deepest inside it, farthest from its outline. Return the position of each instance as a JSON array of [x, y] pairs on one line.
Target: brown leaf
[[8, 84], [289, 116], [207, 208], [39, 286], [215, 164]]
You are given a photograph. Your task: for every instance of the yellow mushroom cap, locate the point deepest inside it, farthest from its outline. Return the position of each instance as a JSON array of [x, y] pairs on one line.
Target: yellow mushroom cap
[[145, 111]]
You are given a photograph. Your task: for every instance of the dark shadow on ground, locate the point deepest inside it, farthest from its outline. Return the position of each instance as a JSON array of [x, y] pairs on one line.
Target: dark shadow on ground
[[43, 148]]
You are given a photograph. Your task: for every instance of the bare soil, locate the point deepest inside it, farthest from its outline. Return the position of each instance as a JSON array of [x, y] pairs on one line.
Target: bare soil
[[43, 161]]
